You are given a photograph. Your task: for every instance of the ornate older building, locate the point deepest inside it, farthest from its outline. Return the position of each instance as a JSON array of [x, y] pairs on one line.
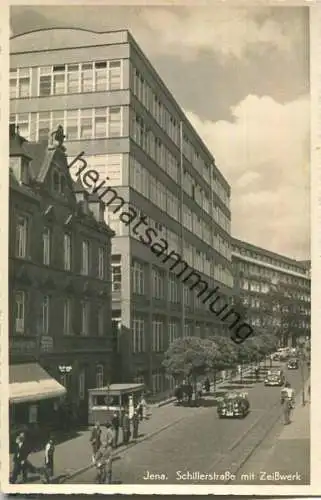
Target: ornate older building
[[274, 291], [60, 330]]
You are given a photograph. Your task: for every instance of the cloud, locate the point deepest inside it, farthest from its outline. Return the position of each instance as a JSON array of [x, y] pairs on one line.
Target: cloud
[[225, 31], [264, 154]]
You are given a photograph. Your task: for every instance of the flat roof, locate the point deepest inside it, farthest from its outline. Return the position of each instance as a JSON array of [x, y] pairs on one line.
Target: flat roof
[[119, 388]]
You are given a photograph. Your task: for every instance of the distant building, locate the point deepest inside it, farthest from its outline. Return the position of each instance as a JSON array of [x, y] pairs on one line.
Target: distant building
[[274, 290], [60, 325], [115, 107]]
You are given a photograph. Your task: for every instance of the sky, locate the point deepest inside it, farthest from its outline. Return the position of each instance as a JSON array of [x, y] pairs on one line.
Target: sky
[[241, 76]]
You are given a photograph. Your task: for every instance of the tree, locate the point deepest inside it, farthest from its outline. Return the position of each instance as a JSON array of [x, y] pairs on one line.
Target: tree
[[187, 358], [221, 355]]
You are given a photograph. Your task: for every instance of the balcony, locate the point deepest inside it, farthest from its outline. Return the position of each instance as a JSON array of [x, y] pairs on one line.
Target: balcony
[[69, 343]]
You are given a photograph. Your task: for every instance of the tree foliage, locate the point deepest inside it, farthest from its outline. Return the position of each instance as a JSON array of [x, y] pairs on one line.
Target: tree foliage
[[187, 357]]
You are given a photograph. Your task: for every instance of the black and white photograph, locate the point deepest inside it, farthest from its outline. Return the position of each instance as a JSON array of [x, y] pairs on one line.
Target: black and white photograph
[[159, 259]]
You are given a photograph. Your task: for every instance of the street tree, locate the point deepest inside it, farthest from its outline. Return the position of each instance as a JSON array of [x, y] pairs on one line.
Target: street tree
[[221, 355], [187, 358]]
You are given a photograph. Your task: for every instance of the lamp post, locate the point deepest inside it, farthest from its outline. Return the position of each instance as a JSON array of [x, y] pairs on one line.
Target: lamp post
[[302, 357]]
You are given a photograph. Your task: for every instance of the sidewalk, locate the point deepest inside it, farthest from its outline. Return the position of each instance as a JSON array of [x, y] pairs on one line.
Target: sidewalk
[[74, 455], [284, 458]]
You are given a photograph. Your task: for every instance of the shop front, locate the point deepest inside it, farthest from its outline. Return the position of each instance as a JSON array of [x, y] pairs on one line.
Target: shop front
[[34, 400]]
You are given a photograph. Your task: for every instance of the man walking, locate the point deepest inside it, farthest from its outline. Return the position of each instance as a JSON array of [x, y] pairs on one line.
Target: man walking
[[287, 401], [49, 460], [126, 427], [95, 439], [20, 462], [135, 425], [110, 436], [115, 425]]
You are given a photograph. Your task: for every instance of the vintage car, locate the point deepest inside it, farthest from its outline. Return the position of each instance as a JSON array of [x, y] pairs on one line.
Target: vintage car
[[274, 377], [293, 364], [233, 404]]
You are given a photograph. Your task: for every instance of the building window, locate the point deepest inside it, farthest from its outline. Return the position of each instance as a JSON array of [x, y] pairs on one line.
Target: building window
[[158, 282], [173, 289], [19, 313], [101, 320], [82, 384], [84, 318], [114, 122], [43, 126], [46, 246], [157, 342], [85, 258], [67, 317], [138, 278], [67, 252], [45, 314], [99, 376], [101, 263], [114, 75], [116, 277], [138, 335], [157, 381], [172, 332], [21, 236], [20, 83]]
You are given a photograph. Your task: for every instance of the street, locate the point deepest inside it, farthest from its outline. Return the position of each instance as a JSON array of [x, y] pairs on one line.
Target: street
[[200, 443]]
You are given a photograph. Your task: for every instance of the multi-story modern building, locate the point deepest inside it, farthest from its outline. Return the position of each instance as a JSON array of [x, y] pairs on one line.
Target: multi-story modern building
[[274, 290], [116, 109], [60, 322]]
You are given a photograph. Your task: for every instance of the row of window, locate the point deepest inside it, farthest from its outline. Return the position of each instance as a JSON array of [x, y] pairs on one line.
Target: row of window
[[153, 146], [43, 326], [254, 286], [266, 272], [275, 321], [109, 165], [146, 184], [60, 79], [87, 256], [86, 123], [171, 126], [159, 336], [268, 260], [162, 287]]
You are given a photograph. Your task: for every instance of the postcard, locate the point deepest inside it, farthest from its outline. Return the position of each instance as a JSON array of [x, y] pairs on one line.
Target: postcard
[[161, 213]]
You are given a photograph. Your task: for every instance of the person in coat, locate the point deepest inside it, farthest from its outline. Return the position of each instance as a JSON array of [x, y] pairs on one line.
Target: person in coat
[[126, 427], [103, 463], [49, 459], [110, 435], [135, 425], [115, 425], [95, 438], [207, 385], [20, 459]]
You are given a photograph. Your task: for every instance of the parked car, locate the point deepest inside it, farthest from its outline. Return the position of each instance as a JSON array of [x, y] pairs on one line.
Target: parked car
[[293, 364], [233, 405], [274, 377]]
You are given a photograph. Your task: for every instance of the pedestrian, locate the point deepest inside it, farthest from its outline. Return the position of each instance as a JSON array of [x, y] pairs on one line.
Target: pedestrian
[[257, 373], [49, 459], [287, 401], [103, 463], [135, 422], [144, 407], [110, 436], [199, 390], [95, 439], [20, 462], [207, 385], [139, 409], [126, 427], [115, 426]]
